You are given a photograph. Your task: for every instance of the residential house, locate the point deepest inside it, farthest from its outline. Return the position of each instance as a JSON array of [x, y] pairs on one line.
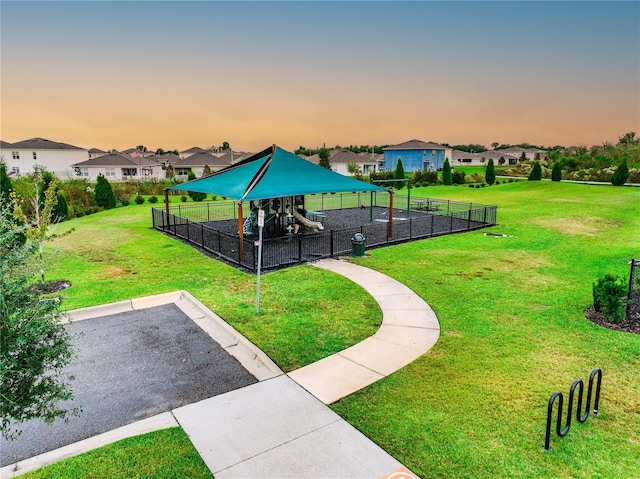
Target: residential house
[[416, 155], [96, 152], [530, 153], [340, 158], [192, 151], [463, 158], [134, 152], [196, 163], [118, 167], [58, 158]]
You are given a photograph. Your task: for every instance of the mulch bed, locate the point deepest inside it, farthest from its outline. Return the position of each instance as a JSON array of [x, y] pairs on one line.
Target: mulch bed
[[630, 324]]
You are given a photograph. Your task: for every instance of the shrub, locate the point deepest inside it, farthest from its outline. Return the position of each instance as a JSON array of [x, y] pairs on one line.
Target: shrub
[[399, 174], [183, 199], [490, 172], [458, 177], [124, 201], [104, 193], [536, 172], [556, 173], [621, 174], [447, 179], [608, 297], [195, 195], [471, 185], [153, 199], [214, 197], [417, 185], [139, 200]]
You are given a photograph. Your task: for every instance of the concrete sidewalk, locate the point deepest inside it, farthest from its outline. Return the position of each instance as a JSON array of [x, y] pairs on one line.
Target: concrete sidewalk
[[409, 329], [280, 427]]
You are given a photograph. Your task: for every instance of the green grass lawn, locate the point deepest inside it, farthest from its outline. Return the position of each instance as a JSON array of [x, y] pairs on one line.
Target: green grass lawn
[[161, 454], [510, 309]]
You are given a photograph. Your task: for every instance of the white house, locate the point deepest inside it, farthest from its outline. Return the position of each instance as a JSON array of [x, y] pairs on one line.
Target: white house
[[118, 167], [196, 163], [340, 158], [462, 158], [56, 157], [530, 153]]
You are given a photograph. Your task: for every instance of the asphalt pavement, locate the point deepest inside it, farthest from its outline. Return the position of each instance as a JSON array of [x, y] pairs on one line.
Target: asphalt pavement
[[131, 366]]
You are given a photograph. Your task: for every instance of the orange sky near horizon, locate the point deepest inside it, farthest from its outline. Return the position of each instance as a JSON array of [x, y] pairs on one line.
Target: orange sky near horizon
[[180, 81]]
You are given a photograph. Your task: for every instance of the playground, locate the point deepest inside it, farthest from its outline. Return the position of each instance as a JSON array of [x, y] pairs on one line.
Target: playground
[[309, 213]]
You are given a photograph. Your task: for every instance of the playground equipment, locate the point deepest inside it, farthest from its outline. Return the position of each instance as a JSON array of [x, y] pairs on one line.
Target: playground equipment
[[314, 225]]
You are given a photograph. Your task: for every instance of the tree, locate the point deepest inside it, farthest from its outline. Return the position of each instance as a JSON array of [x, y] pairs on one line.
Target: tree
[[621, 175], [141, 148], [195, 195], [398, 174], [38, 224], [61, 208], [206, 171], [490, 172], [34, 345], [352, 167], [536, 172], [495, 145], [556, 172], [447, 178], [628, 139], [523, 156], [104, 193], [5, 184], [224, 146], [170, 172], [324, 154]]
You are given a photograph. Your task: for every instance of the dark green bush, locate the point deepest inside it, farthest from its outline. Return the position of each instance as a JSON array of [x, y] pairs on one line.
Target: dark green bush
[[556, 173], [609, 297], [490, 172], [621, 174], [447, 178], [139, 200], [458, 177], [183, 199], [153, 199], [104, 193], [124, 201], [536, 172]]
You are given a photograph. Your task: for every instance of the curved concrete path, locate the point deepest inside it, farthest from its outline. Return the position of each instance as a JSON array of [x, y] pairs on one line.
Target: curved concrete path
[[409, 329]]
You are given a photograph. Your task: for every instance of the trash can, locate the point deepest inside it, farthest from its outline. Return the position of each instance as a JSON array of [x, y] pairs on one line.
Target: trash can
[[357, 245]]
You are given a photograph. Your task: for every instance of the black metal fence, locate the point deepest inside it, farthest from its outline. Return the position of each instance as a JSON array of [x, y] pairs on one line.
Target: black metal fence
[[187, 222], [633, 306]]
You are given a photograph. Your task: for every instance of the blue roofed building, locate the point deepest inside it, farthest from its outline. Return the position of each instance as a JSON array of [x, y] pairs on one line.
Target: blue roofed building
[[416, 155]]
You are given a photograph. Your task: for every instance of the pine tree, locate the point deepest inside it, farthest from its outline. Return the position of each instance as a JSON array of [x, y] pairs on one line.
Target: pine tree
[[447, 177], [206, 171], [556, 172], [536, 172], [104, 193], [621, 175], [490, 173], [398, 174]]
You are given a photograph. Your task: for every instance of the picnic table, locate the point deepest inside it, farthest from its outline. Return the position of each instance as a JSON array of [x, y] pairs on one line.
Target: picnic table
[[425, 205]]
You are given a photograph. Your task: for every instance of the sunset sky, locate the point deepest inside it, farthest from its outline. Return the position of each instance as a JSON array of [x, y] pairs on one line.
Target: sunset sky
[[180, 74]]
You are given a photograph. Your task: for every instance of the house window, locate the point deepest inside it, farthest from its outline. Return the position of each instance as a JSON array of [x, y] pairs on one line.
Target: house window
[[35, 155], [82, 172], [433, 152], [15, 170], [466, 160], [182, 171], [15, 155], [147, 172], [110, 172], [127, 172]]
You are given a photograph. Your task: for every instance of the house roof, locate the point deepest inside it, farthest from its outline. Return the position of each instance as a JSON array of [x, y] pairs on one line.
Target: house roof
[[96, 150], [203, 158], [5, 144], [274, 173], [117, 159], [194, 149], [43, 144], [416, 145], [166, 158], [345, 156], [518, 150], [495, 154]]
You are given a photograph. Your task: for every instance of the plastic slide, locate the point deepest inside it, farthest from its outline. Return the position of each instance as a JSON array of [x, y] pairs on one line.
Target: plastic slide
[[314, 225]]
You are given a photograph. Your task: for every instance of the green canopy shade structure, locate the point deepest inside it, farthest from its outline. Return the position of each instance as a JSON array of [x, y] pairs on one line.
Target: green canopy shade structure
[[274, 173]]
